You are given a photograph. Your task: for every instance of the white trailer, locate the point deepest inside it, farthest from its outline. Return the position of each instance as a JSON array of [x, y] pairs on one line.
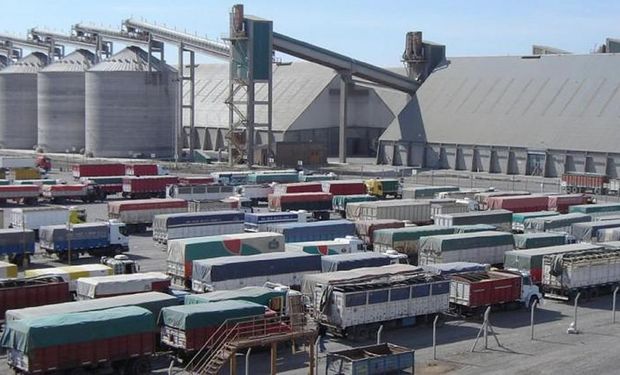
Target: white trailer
[[37, 217], [345, 245], [196, 224], [199, 192], [479, 247], [114, 285], [590, 272]]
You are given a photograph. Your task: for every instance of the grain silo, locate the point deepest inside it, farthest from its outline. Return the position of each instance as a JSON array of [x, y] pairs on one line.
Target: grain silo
[[18, 102], [61, 88], [129, 110], [3, 61]]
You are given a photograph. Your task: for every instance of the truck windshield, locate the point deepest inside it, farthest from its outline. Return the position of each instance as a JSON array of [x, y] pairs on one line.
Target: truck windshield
[[526, 280]]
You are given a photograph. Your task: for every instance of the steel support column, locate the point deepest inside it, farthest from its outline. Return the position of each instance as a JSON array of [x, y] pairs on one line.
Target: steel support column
[[345, 84], [186, 107]]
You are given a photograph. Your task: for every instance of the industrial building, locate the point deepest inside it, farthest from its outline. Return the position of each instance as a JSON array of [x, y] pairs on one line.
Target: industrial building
[[536, 115]]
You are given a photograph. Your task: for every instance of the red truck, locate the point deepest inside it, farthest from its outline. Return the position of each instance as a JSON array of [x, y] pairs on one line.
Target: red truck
[[21, 293], [320, 204], [197, 180], [366, 228], [561, 203], [115, 340], [142, 170], [138, 214], [519, 203], [27, 194], [575, 183], [147, 186], [345, 187], [98, 170], [472, 292], [73, 192], [298, 187]]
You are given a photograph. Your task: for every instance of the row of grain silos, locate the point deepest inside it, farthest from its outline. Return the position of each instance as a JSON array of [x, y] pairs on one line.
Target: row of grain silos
[[116, 108]]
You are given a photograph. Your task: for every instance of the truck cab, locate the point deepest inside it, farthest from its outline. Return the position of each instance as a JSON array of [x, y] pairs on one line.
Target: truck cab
[[529, 291], [118, 236], [396, 257], [121, 264]]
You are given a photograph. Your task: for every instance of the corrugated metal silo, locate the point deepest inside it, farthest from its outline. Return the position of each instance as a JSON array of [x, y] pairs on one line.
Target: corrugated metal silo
[[130, 111], [61, 98], [3, 61], [18, 102]]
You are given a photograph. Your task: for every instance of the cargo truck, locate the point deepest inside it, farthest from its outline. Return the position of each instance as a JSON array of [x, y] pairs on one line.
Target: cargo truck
[[298, 187], [199, 192], [406, 240], [345, 245], [519, 203], [144, 170], [168, 227], [147, 186], [544, 239], [596, 210], [351, 261], [36, 217], [481, 198], [588, 232], [518, 219], [228, 273], [260, 221], [115, 285], [75, 192], [314, 231], [17, 245], [471, 293], [70, 274], [501, 219], [138, 214], [230, 203], [116, 340], [355, 303], [29, 292], [590, 272], [98, 170], [562, 202], [426, 192], [183, 252], [94, 239], [575, 183], [384, 187], [556, 223], [318, 204], [26, 194], [450, 206], [416, 211], [375, 359], [345, 187], [477, 247], [339, 202], [110, 185], [365, 229]]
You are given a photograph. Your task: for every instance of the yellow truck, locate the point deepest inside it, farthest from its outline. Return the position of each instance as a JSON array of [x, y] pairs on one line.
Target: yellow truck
[[384, 187]]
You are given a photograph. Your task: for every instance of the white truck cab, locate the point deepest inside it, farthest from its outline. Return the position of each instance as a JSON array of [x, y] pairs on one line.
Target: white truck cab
[[396, 257], [529, 291], [121, 264], [117, 233]]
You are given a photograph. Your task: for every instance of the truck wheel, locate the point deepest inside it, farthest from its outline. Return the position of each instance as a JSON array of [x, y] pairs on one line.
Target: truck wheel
[[140, 366], [597, 191]]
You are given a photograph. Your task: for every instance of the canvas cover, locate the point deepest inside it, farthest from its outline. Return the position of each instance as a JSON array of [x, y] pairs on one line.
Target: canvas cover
[[389, 236], [535, 240], [201, 315], [466, 241], [256, 294], [342, 262]]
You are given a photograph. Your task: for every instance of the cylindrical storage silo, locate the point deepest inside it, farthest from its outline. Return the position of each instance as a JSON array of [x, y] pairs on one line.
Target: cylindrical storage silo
[[129, 111], [18, 102], [61, 89], [3, 61]]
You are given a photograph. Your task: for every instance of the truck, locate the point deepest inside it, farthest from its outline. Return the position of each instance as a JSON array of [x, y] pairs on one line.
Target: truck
[[345, 245], [350, 261], [588, 232], [501, 219], [260, 221], [298, 187], [183, 252], [21, 293], [110, 185], [228, 273], [416, 211], [345, 187], [256, 193], [199, 192], [384, 187], [138, 214], [114, 340], [97, 170], [319, 204], [478, 247], [73, 192], [575, 183], [339, 202], [481, 198], [595, 210], [518, 219], [17, 245], [449, 206], [34, 218], [268, 177], [168, 227], [406, 240], [235, 178], [531, 260], [374, 359], [94, 239], [147, 186], [519, 203], [70, 274], [562, 202], [145, 170], [152, 301], [314, 231], [230, 203], [26, 194], [543, 239], [471, 293], [115, 285], [365, 229], [555, 223], [590, 272], [397, 295], [426, 192]]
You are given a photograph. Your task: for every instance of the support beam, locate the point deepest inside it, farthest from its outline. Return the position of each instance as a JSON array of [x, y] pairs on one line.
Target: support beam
[[274, 358], [345, 80], [311, 359], [233, 363]]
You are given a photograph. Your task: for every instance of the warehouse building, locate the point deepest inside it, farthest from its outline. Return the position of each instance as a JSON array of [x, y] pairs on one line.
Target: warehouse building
[[535, 115]]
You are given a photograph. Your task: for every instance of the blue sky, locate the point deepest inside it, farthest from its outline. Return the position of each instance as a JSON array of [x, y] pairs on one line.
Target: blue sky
[[372, 31]]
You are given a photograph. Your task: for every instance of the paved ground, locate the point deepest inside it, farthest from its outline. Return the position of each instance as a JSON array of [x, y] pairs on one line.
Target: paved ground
[[593, 351]]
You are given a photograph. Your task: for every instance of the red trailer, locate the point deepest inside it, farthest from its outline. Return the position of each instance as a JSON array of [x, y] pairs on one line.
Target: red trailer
[[98, 170], [584, 183], [320, 204], [147, 186], [138, 214], [27, 194], [298, 187], [141, 169], [18, 294], [366, 228], [561, 203], [81, 192], [345, 187], [519, 203], [197, 180]]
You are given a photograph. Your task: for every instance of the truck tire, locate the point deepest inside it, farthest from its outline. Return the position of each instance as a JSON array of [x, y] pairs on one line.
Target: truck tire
[[140, 366], [597, 191]]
